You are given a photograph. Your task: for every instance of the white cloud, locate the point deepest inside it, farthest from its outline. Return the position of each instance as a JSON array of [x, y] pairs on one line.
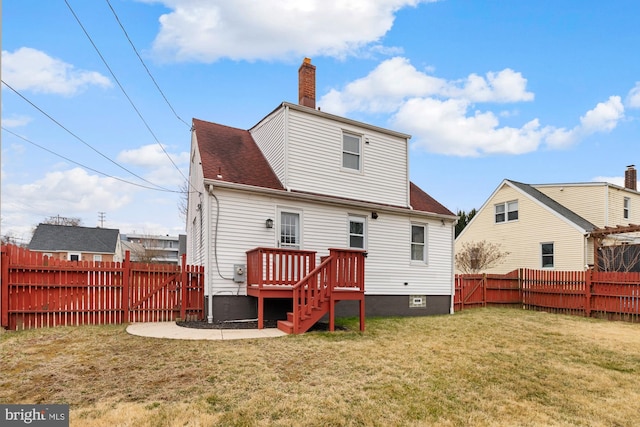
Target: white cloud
[[445, 127], [161, 170], [615, 180], [442, 115], [633, 98], [15, 121], [604, 117], [207, 30], [34, 70], [395, 80], [504, 86], [72, 189]]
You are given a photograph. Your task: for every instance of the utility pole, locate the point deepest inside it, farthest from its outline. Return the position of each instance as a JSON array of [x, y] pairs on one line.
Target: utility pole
[[101, 216]]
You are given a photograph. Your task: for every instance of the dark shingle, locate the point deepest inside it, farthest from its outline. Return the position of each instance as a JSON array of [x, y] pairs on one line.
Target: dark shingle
[[553, 205], [232, 154], [50, 237]]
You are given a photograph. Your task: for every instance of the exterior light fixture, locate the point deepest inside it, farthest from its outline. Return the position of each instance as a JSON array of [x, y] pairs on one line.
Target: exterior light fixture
[[374, 215], [269, 223]]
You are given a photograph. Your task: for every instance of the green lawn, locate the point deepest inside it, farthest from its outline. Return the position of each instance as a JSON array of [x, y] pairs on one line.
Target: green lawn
[[479, 367]]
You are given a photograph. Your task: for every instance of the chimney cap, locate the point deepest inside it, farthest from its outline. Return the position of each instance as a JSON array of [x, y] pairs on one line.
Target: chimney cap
[[631, 166]]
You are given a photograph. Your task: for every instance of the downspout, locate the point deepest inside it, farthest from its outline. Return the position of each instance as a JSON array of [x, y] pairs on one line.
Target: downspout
[[215, 249], [206, 251], [453, 269], [606, 204]]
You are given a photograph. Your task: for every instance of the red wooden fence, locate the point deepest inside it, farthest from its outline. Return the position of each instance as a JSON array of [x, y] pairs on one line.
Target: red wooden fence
[[589, 293], [39, 291]]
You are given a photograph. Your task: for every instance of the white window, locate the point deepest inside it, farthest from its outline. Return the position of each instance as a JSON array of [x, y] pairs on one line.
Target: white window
[[357, 228], [74, 256], [289, 230], [547, 255], [626, 208], [351, 151], [97, 257], [419, 242], [507, 211]]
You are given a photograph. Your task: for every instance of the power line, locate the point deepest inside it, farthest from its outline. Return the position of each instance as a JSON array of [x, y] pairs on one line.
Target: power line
[[145, 65], [79, 139], [124, 91], [87, 167]]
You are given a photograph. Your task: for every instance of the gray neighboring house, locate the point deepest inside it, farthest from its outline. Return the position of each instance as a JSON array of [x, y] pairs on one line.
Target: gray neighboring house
[[76, 243]]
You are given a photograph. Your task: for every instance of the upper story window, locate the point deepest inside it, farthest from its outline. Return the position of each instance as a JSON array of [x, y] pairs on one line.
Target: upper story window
[[547, 255], [507, 211], [351, 151], [626, 208], [357, 232], [418, 243]]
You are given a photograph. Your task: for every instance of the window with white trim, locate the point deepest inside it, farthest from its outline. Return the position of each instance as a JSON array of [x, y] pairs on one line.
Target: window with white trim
[[97, 258], [506, 212], [626, 208], [74, 256], [357, 230], [351, 151], [547, 251], [419, 242], [289, 230]]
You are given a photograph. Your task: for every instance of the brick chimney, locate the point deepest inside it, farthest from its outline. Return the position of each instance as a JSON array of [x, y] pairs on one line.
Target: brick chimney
[[307, 84], [630, 178]]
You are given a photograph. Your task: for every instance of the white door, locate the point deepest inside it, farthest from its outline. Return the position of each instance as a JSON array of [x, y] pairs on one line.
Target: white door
[[289, 230]]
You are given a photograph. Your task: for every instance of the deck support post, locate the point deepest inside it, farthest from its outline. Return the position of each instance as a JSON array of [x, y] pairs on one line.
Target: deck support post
[[260, 312]]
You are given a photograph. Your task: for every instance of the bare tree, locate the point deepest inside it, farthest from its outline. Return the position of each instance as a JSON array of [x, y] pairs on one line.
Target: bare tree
[[145, 249], [63, 220], [474, 257], [183, 202], [619, 256]]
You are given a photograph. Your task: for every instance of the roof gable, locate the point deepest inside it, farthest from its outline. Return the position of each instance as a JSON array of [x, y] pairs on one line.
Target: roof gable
[[231, 155], [50, 237], [421, 201]]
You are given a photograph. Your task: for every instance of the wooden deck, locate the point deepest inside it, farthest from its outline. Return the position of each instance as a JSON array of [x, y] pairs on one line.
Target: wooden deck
[[288, 273]]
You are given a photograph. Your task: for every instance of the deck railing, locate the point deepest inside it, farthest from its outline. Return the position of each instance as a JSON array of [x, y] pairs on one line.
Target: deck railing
[[273, 266]]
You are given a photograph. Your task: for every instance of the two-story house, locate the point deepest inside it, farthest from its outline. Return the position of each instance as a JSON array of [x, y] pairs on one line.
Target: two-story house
[[303, 179], [551, 226]]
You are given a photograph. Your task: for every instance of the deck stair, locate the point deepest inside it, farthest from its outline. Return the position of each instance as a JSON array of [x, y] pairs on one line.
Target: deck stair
[[287, 273]]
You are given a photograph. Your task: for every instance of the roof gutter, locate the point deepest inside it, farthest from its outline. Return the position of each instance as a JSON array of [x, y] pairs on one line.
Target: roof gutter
[[327, 200]]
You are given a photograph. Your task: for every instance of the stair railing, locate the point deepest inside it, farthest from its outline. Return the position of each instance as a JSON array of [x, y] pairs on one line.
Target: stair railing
[[343, 268]]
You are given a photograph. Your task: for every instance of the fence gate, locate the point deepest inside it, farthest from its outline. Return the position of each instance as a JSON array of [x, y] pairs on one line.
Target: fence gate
[[40, 291]]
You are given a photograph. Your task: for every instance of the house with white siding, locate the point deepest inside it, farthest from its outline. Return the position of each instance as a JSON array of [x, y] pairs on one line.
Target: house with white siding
[[551, 226], [297, 184]]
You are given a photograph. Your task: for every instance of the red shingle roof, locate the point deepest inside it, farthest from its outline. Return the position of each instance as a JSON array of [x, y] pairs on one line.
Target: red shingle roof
[[233, 154], [421, 201]]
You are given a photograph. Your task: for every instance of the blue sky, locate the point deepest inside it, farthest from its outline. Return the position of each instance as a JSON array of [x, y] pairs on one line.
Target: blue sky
[[538, 92]]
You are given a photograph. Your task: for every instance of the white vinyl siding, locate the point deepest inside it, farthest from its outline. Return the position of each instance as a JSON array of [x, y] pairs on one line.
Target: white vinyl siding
[[314, 161], [270, 136], [387, 267], [197, 211]]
